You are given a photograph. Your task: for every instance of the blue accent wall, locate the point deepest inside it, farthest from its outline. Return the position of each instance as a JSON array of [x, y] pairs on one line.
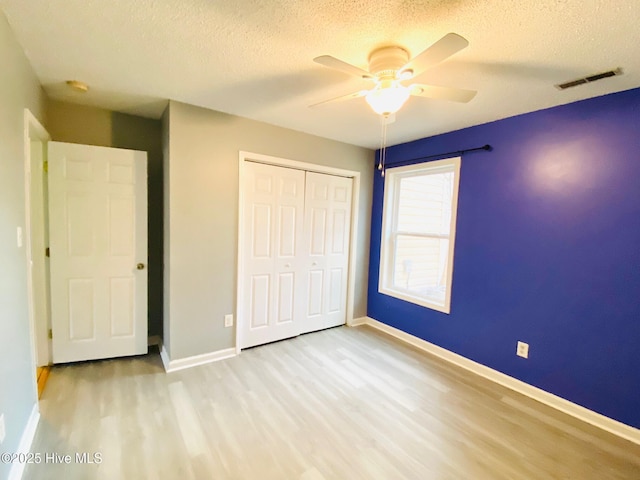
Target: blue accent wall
[[547, 252]]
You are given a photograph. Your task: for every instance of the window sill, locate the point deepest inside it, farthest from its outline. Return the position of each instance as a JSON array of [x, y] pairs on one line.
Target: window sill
[[444, 308]]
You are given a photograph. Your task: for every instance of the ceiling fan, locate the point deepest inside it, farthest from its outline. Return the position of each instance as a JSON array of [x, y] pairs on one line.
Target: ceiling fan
[[390, 66]]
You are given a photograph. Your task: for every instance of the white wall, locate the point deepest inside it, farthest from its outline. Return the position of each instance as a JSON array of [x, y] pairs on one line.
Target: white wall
[[19, 88], [201, 216]]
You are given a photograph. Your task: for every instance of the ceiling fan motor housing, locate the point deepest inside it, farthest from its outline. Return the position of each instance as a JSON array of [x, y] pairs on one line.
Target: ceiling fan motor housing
[[385, 62]]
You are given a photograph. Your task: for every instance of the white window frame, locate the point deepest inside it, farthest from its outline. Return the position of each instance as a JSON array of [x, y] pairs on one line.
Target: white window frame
[[393, 176]]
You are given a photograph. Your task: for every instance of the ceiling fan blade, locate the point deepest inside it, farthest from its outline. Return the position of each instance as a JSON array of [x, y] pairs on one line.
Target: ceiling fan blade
[[442, 93], [333, 62], [358, 94], [442, 49]]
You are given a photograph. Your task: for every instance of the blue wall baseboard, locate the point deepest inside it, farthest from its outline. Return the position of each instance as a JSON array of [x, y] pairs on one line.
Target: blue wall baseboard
[[547, 252]]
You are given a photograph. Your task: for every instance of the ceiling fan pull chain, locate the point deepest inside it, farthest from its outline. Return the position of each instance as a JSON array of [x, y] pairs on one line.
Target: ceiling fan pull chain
[[381, 145], [383, 151], [384, 159]]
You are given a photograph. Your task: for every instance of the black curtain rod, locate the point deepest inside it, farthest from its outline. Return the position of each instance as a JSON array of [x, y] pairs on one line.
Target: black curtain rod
[[487, 148]]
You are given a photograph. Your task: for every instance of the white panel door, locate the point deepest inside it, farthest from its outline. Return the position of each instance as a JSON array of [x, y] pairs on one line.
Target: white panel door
[[98, 242], [273, 222], [327, 226]]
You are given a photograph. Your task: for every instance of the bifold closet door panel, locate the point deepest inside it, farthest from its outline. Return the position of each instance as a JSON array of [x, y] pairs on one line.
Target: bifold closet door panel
[[273, 231], [327, 228]]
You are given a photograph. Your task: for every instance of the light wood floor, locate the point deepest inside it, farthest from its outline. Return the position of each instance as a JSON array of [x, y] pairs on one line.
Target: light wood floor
[[345, 403]]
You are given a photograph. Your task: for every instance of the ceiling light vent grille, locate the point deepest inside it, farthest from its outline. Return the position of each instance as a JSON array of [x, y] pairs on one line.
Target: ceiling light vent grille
[[589, 79]]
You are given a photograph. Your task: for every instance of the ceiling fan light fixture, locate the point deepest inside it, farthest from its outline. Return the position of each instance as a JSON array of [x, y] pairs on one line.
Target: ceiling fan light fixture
[[385, 100]]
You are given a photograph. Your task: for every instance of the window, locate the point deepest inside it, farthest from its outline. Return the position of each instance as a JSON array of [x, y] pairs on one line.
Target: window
[[418, 232]]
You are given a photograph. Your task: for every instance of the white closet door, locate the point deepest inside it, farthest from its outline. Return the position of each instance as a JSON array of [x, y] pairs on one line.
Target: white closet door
[[327, 228], [273, 225]]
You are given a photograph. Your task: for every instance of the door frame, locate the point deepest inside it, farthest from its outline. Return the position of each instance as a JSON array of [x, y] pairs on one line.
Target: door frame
[[38, 328], [309, 167]]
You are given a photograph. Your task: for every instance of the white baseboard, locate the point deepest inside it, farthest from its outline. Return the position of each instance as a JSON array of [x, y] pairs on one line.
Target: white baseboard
[[358, 321], [25, 442], [182, 363], [605, 423], [164, 356]]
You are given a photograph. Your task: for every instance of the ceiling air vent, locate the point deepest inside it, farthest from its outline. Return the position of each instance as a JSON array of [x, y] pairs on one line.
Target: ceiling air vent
[[589, 79]]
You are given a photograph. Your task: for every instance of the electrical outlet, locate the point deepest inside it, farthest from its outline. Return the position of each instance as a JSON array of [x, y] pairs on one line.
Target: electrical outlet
[[19, 236], [522, 350], [228, 320], [2, 430]]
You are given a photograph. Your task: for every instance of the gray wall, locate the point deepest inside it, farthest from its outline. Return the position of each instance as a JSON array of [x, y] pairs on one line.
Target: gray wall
[[19, 89], [201, 216], [73, 123], [68, 122]]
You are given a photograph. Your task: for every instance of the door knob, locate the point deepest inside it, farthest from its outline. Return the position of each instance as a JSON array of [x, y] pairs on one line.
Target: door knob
[[140, 266]]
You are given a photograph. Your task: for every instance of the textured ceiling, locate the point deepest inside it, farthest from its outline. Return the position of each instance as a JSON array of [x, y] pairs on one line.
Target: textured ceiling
[[254, 58]]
